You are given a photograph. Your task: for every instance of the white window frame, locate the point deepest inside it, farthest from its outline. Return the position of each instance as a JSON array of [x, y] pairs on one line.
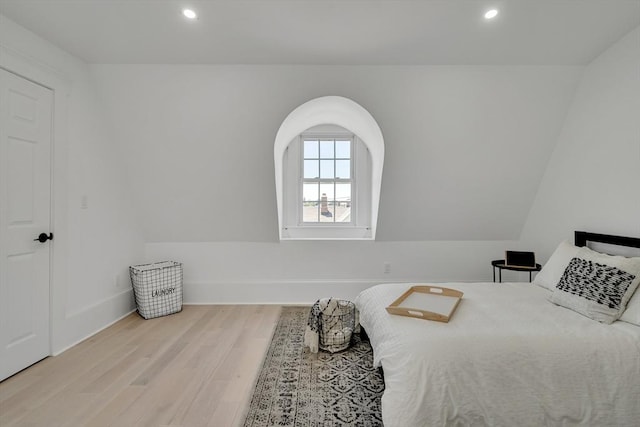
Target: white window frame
[[294, 226], [328, 136]]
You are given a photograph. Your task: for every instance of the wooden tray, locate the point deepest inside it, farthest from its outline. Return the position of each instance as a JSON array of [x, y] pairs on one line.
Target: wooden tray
[[427, 302]]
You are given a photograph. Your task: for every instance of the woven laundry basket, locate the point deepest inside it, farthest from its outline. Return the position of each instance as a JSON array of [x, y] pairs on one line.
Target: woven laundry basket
[[157, 288]]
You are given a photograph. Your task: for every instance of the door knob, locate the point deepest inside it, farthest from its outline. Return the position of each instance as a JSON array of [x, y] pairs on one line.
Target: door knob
[[43, 237]]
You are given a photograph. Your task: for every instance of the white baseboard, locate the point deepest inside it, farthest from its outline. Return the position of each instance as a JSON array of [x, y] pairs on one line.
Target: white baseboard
[[81, 324]]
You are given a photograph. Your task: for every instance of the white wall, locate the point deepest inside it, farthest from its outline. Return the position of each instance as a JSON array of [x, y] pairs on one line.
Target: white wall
[[592, 181], [303, 271], [94, 246], [465, 150], [465, 147]]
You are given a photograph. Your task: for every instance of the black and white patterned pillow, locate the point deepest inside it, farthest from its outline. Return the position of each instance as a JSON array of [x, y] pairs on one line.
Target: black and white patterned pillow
[[597, 285]]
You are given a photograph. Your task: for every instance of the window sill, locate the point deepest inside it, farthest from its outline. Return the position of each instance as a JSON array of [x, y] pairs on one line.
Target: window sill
[[326, 233]]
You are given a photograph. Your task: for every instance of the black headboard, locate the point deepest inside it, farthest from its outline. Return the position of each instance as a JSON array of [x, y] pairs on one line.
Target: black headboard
[[582, 237]]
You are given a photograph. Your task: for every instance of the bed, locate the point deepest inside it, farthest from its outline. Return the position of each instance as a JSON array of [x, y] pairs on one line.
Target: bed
[[507, 357]]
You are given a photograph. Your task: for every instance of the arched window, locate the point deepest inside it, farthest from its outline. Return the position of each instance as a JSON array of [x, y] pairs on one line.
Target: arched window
[[328, 157]]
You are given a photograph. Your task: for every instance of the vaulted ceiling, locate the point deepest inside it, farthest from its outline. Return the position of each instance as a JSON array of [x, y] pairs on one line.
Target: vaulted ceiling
[[471, 109], [332, 32]]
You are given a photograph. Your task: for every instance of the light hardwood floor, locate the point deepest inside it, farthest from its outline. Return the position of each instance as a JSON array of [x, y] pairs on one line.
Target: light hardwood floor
[[193, 368]]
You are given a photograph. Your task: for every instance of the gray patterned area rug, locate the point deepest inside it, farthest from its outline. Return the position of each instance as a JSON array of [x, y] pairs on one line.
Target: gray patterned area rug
[[298, 388]]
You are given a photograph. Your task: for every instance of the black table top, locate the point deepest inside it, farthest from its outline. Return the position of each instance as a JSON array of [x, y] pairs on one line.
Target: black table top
[[500, 264]]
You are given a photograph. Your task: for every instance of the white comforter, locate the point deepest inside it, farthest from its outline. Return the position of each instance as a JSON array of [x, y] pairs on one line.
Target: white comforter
[[507, 357]]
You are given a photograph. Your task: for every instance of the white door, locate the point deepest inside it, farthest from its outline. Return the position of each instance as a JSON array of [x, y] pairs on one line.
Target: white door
[[25, 211]]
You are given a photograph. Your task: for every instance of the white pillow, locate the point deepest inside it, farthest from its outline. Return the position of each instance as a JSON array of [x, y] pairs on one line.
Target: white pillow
[[632, 313], [553, 270], [597, 285]]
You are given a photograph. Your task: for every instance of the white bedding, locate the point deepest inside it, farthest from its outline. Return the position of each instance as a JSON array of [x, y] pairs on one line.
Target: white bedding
[[507, 357]]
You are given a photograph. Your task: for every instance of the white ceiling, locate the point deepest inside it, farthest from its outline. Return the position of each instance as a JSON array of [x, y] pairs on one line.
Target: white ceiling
[[332, 32]]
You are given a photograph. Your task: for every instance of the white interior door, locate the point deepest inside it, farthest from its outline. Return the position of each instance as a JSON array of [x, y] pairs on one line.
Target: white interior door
[[25, 212]]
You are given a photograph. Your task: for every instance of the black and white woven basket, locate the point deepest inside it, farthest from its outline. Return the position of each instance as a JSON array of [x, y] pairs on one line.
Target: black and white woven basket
[[337, 326], [157, 288]]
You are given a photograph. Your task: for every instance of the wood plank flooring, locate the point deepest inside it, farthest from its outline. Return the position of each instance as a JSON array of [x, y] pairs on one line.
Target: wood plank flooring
[[194, 368]]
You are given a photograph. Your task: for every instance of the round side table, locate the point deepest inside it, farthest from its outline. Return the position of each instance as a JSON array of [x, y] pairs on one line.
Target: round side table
[[500, 265]]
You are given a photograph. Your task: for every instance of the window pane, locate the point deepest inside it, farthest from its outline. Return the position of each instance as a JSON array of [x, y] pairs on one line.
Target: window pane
[[343, 169], [343, 191], [310, 202], [311, 169], [326, 169], [310, 211], [326, 150], [326, 190], [310, 192], [310, 149], [343, 202], [326, 202], [327, 211], [343, 149]]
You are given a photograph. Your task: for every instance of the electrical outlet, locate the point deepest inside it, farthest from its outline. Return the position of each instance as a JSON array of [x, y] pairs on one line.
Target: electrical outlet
[[387, 267]]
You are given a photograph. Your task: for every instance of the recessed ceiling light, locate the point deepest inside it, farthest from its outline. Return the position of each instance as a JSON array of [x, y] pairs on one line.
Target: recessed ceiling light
[[188, 13], [491, 14]]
